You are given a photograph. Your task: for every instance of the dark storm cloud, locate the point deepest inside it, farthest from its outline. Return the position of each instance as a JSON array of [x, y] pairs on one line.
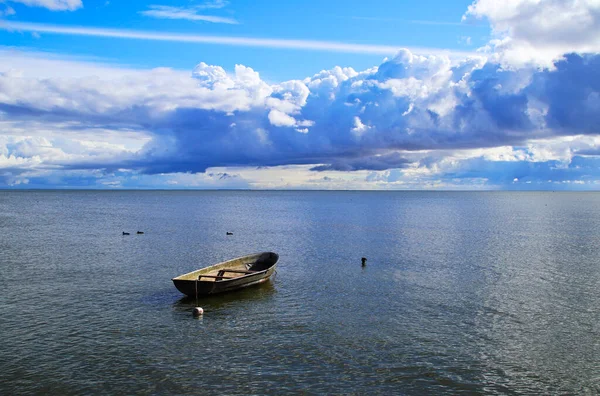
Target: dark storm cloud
[[382, 162]]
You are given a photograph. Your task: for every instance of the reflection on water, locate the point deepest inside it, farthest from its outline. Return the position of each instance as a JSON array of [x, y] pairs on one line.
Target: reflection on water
[[475, 293], [239, 298]]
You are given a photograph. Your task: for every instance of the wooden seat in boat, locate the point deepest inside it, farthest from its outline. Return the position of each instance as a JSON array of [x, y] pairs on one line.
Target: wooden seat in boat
[[216, 277], [235, 271]]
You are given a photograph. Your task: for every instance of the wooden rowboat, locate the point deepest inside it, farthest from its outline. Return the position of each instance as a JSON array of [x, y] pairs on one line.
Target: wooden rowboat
[[228, 275]]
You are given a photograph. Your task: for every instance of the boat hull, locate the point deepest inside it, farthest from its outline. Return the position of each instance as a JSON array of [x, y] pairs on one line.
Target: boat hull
[[256, 268]]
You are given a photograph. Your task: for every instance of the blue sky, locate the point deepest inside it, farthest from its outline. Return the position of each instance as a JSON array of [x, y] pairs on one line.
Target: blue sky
[[423, 24], [300, 94]]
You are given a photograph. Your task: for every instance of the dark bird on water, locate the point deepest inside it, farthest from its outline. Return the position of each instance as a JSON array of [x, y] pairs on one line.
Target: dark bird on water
[[125, 233], [229, 233], [364, 261], [140, 232]]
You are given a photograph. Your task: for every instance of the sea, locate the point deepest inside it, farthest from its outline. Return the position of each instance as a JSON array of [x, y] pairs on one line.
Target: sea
[[491, 293]]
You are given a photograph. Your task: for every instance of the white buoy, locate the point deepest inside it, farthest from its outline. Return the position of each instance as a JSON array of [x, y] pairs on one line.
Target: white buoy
[[198, 311]]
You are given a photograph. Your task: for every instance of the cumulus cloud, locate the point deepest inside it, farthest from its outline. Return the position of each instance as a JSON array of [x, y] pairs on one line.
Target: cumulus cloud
[[278, 118], [412, 119], [539, 31], [381, 118]]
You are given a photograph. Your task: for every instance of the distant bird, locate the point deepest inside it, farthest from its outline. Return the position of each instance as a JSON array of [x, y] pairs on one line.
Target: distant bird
[[140, 232], [229, 233], [364, 261], [125, 233]]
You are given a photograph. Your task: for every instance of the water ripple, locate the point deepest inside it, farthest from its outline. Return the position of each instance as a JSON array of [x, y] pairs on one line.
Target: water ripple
[[463, 293]]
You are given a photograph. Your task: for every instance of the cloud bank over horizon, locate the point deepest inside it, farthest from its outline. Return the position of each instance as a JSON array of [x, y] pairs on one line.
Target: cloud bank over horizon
[[507, 118]]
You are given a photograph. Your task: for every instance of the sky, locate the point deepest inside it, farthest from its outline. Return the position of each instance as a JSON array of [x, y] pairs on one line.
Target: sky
[[379, 95]]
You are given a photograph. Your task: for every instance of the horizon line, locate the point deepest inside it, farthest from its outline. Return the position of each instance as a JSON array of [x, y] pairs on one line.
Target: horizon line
[[72, 188]]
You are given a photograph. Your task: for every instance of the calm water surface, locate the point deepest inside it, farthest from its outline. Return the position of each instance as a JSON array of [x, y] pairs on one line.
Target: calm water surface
[[474, 293]]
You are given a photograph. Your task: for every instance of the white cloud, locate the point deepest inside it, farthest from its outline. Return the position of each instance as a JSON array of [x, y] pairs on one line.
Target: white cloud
[[414, 121], [187, 13], [281, 119], [411, 119], [53, 145], [7, 11], [312, 45], [54, 5], [47, 65], [540, 31], [359, 128]]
